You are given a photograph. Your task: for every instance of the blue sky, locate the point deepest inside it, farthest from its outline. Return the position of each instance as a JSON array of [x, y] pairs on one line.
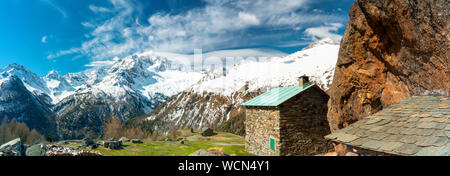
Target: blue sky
[[67, 35]]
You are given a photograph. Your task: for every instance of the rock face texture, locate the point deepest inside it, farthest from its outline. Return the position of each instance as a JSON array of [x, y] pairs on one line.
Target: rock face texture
[[12, 148], [391, 50]]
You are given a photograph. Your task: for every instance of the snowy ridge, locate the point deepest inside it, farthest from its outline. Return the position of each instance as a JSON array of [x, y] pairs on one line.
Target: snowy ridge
[[317, 61], [76, 80], [58, 86], [32, 82], [145, 75]]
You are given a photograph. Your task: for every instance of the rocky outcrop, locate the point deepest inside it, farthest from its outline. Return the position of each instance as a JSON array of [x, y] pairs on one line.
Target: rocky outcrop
[[13, 148], [391, 50], [124, 139], [207, 131], [112, 144], [36, 150]]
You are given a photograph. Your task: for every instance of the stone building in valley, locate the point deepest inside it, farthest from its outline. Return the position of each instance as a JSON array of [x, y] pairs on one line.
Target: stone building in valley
[[417, 126], [288, 121]]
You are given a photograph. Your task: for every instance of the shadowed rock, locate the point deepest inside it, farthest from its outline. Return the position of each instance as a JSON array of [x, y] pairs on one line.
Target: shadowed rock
[[391, 50]]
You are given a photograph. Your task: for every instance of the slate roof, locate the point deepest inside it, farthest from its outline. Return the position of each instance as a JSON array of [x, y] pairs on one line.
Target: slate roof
[[276, 96], [418, 126]]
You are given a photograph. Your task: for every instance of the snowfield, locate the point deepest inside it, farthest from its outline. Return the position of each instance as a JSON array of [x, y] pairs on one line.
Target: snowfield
[[317, 61]]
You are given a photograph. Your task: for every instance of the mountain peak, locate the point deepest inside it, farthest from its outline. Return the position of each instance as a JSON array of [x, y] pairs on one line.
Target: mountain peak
[[53, 74], [15, 66]]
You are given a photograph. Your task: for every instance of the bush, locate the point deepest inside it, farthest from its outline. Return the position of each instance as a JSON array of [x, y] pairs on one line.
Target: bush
[[155, 135], [49, 139], [173, 132], [115, 129]]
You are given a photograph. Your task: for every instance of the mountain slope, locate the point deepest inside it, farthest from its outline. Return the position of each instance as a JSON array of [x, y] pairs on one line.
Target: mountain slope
[[78, 104], [58, 87], [216, 98], [16, 101], [128, 88]]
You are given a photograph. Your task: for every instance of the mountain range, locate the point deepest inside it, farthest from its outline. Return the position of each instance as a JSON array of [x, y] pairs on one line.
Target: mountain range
[[158, 89], [215, 100]]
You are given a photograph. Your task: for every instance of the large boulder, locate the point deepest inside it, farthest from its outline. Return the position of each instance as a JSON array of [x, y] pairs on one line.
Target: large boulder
[[124, 139], [207, 131], [114, 145], [88, 141], [36, 150], [14, 147], [391, 50]]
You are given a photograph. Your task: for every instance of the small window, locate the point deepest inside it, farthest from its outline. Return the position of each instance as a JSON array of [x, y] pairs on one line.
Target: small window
[[272, 144]]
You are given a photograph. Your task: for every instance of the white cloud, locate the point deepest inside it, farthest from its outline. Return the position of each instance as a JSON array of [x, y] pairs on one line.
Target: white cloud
[[56, 7], [248, 19], [220, 24], [97, 9], [44, 39], [328, 30], [88, 25], [64, 52]]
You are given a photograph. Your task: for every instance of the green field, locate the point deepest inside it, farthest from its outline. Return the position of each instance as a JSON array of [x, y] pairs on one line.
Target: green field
[[228, 143]]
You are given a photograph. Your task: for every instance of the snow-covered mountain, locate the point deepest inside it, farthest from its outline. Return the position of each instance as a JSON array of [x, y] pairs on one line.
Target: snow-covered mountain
[[81, 102], [16, 101], [177, 92], [216, 98], [130, 87], [58, 87], [31, 81]]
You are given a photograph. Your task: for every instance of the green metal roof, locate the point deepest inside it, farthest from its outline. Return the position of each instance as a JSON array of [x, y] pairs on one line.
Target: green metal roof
[[276, 96]]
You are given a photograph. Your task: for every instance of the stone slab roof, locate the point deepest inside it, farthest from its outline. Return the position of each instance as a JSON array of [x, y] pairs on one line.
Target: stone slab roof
[[418, 126], [276, 96]]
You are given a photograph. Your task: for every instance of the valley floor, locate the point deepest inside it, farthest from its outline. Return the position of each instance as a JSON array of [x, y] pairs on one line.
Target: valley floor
[[230, 144]]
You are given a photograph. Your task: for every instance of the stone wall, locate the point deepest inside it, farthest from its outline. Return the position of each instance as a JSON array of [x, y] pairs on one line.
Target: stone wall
[[262, 123], [303, 124]]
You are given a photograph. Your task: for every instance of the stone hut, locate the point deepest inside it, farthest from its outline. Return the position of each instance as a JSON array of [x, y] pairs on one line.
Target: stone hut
[[418, 126], [288, 121]]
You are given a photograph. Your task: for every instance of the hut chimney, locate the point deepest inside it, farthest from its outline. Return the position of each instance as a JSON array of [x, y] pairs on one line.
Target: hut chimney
[[303, 81]]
